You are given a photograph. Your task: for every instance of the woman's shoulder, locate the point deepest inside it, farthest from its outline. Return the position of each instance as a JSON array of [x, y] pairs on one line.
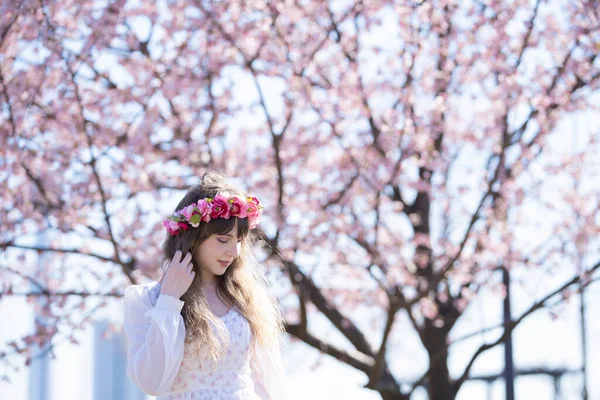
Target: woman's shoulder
[[144, 291]]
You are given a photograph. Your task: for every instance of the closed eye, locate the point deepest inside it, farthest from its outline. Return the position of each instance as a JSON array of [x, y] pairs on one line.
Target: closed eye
[[227, 240]]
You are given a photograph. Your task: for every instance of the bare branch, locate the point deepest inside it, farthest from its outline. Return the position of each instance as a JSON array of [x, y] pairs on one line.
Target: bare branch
[[84, 124], [55, 250], [529, 25], [358, 361], [343, 324], [513, 324], [380, 358]]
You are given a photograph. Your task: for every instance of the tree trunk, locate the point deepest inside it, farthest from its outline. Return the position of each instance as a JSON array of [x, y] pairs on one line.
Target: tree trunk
[[439, 385]]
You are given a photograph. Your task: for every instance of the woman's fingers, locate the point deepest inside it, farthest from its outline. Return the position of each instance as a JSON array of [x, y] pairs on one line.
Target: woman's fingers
[[178, 279], [187, 258], [178, 257], [182, 262]]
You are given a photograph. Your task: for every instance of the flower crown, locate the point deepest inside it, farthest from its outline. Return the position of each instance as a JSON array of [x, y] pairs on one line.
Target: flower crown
[[222, 205]]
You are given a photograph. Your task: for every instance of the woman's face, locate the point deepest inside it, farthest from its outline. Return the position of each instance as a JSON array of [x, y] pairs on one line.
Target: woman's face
[[215, 249]]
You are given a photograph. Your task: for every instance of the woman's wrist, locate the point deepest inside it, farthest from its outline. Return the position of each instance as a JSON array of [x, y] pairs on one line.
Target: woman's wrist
[[169, 303], [167, 293]]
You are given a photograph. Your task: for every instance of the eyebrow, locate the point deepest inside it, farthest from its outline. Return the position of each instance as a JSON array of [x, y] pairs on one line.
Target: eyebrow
[[226, 234]]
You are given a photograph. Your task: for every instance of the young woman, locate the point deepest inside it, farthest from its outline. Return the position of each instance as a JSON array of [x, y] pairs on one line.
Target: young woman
[[208, 329]]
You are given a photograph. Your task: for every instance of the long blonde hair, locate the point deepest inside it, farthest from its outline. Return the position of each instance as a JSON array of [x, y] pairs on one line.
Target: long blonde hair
[[242, 285]]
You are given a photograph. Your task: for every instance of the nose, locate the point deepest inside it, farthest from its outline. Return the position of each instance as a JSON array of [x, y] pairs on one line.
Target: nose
[[234, 250]]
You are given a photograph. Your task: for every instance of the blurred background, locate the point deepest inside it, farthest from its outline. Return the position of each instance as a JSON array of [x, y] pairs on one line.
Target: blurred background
[[428, 171]]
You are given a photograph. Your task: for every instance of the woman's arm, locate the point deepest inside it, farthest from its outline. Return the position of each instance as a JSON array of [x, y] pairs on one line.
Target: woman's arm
[[155, 337]]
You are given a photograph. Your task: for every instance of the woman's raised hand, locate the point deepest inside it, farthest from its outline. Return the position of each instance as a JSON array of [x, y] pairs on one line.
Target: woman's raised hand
[[179, 275]]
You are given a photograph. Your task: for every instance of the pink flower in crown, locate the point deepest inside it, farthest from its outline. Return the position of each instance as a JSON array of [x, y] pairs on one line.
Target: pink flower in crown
[[188, 211], [205, 209], [254, 211], [173, 227], [238, 206], [254, 207], [220, 207], [170, 230]]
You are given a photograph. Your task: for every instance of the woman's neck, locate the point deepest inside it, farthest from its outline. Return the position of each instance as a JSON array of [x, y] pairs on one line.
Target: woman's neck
[[210, 286]]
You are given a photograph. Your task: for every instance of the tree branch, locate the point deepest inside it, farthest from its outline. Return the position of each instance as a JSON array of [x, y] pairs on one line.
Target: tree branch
[[359, 361], [513, 324]]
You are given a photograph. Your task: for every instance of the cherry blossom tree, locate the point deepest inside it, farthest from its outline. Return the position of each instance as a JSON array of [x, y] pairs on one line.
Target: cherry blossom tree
[[405, 150]]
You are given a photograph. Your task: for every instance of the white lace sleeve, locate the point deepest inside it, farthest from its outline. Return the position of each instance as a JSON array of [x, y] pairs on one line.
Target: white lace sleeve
[[155, 336], [268, 374]]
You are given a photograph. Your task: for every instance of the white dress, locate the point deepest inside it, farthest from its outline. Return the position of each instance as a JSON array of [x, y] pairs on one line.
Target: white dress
[[159, 362]]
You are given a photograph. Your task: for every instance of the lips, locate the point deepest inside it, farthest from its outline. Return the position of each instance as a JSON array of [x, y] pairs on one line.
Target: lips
[[224, 263]]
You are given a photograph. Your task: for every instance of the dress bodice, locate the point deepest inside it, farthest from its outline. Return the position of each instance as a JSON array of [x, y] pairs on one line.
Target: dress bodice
[[229, 379]]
